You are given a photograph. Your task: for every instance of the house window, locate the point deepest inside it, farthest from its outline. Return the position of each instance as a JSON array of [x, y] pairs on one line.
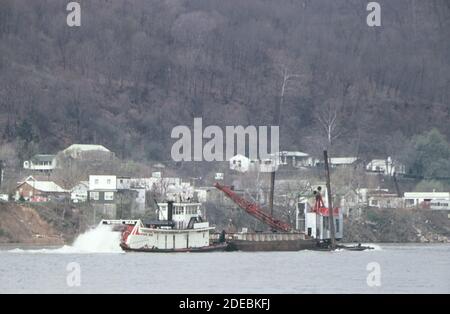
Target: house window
[[96, 181], [109, 196], [108, 181], [337, 225], [94, 196]]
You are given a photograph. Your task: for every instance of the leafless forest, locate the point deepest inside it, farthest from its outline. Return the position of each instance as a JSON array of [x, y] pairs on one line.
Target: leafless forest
[[137, 68]]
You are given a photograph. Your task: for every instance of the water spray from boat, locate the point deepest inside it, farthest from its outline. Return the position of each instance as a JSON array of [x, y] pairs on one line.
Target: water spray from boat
[[101, 239]]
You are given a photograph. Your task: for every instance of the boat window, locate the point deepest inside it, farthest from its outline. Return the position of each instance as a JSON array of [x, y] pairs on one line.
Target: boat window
[[178, 210]]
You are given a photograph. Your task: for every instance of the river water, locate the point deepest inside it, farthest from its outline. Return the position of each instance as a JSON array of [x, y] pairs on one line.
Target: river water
[[101, 267]]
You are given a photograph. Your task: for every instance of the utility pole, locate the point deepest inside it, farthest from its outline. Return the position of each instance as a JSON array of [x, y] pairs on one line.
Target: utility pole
[[272, 191], [330, 203]]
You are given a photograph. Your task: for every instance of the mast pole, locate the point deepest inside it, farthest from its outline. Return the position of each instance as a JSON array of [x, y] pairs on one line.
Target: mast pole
[[330, 203]]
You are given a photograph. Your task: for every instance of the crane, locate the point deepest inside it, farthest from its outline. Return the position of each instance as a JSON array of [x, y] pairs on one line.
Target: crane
[[254, 209]]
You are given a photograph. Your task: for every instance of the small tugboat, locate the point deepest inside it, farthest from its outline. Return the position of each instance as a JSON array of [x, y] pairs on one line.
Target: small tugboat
[[179, 228]]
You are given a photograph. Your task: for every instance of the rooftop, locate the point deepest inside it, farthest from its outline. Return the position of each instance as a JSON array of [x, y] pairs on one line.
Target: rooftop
[[293, 154], [343, 160], [45, 186], [427, 194], [42, 158], [86, 147]]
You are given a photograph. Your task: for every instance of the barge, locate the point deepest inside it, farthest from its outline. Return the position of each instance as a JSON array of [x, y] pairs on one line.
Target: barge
[[270, 241]]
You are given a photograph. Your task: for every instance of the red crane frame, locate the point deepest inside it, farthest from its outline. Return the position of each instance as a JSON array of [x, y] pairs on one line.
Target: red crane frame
[[254, 209]]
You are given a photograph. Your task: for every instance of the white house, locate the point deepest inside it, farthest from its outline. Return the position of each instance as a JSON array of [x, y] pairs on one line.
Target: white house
[[244, 164], [41, 162], [386, 166], [425, 199], [296, 159], [79, 193], [102, 187], [270, 164], [81, 151], [102, 182], [343, 161], [240, 163], [202, 194], [102, 194], [440, 205], [123, 183]]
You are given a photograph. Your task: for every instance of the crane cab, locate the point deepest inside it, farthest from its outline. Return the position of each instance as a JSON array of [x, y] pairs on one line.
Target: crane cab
[[314, 219]]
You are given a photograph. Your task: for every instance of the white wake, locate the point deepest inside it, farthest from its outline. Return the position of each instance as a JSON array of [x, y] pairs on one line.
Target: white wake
[[98, 240]]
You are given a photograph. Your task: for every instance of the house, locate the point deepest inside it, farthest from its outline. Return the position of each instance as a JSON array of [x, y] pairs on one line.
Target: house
[[240, 163], [385, 200], [440, 205], [201, 194], [40, 162], [101, 194], [138, 207], [425, 199], [244, 164], [39, 191], [87, 152], [146, 183], [340, 162], [156, 174], [79, 193], [268, 164], [344, 161], [386, 166], [123, 183], [296, 159], [348, 200]]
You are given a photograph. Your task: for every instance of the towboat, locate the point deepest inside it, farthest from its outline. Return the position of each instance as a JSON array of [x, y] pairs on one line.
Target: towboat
[[179, 228]]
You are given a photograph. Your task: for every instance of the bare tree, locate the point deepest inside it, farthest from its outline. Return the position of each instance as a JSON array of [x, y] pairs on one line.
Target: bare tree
[[329, 119], [286, 79]]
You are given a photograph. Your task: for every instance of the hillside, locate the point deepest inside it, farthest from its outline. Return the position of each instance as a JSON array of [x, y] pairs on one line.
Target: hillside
[[135, 69], [38, 224], [398, 226]]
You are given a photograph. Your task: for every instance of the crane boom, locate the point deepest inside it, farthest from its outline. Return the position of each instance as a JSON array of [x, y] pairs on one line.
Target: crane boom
[[254, 210]]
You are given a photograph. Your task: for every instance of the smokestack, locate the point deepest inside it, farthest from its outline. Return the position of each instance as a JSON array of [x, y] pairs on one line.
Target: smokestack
[[169, 210]]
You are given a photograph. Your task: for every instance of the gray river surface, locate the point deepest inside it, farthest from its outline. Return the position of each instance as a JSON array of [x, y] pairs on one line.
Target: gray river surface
[[399, 268]]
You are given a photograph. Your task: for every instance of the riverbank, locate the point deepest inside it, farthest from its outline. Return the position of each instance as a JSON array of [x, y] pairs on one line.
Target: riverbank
[[397, 226], [48, 224], [38, 224]]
